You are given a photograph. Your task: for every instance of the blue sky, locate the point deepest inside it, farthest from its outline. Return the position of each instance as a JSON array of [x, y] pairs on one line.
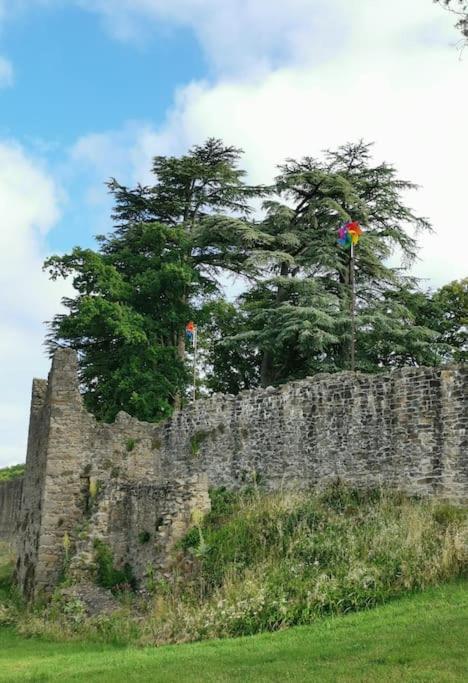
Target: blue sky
[[71, 76], [94, 88]]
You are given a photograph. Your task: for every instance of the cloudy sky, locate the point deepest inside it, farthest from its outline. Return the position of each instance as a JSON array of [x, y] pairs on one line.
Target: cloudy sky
[[94, 88]]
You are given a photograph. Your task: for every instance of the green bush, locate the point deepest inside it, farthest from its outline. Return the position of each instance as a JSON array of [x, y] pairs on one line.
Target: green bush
[[144, 537], [107, 575], [6, 569], [8, 473]]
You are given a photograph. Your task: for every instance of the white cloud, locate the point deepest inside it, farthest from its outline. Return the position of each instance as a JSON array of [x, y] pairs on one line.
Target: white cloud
[[394, 78], [235, 34], [29, 208], [248, 36]]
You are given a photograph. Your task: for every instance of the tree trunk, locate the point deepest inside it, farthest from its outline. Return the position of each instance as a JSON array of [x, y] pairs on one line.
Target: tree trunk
[[181, 345], [267, 370]]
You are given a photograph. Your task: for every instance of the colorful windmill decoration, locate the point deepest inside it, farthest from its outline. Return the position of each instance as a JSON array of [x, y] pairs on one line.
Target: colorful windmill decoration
[[349, 234], [191, 332]]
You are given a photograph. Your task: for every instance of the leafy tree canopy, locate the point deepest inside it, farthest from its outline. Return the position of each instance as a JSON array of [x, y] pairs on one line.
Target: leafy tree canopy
[[460, 9], [171, 244], [451, 305], [175, 241], [298, 314]]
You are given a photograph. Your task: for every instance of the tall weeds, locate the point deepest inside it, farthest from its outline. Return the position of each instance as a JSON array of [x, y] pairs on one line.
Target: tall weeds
[[266, 561]]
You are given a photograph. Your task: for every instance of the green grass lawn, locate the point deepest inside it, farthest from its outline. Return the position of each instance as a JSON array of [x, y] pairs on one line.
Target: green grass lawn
[[418, 638]]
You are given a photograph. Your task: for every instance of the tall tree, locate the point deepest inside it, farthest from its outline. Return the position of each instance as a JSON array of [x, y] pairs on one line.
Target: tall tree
[[451, 304], [424, 328], [460, 9], [228, 366], [299, 315], [171, 244]]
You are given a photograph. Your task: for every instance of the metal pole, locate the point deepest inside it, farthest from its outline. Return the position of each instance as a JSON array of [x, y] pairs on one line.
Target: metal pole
[[353, 308], [194, 396]]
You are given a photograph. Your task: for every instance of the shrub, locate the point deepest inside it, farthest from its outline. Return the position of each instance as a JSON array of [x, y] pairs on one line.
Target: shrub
[[8, 473], [144, 537], [197, 440], [283, 559], [107, 575]]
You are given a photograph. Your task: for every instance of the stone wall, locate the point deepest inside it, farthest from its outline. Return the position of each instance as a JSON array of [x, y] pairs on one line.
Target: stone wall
[[10, 503], [141, 522], [125, 481], [85, 480], [407, 429]]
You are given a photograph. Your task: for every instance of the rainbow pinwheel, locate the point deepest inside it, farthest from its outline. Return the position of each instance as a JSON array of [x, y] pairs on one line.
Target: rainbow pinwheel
[[349, 234]]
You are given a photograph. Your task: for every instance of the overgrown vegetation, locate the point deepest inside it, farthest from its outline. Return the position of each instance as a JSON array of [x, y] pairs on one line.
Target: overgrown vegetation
[[420, 638], [6, 570], [197, 440], [8, 473], [107, 574], [262, 562]]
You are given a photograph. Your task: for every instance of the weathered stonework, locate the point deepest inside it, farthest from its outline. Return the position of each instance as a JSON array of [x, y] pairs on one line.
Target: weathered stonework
[[10, 504], [135, 485], [407, 429], [85, 480]]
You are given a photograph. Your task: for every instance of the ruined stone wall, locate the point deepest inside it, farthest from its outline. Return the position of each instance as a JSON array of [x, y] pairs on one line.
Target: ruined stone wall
[[30, 516], [85, 480], [141, 522], [407, 429], [10, 503]]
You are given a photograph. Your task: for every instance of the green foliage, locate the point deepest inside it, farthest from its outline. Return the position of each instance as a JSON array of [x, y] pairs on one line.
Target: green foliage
[[107, 575], [172, 241], [196, 441], [223, 504], [6, 570], [399, 329], [130, 445], [446, 515], [144, 537], [8, 473], [430, 328], [451, 306], [261, 562], [284, 559], [232, 363], [460, 9], [120, 322], [299, 315]]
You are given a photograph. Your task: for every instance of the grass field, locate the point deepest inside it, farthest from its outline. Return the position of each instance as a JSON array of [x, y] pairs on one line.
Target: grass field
[[421, 637]]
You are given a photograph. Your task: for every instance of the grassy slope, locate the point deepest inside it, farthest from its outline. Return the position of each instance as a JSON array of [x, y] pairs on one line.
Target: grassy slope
[[418, 638]]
